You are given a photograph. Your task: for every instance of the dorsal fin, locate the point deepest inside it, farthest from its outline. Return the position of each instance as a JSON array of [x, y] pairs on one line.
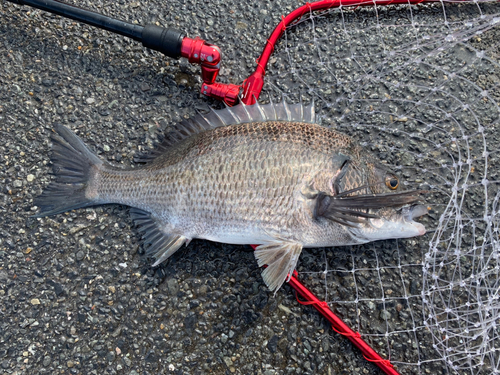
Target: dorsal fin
[[239, 114]]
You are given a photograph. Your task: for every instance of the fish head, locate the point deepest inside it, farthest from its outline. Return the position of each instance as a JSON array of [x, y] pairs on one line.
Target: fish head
[[371, 202], [394, 209]]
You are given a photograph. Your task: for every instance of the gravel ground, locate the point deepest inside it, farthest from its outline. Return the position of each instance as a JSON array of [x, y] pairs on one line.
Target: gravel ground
[[76, 297]]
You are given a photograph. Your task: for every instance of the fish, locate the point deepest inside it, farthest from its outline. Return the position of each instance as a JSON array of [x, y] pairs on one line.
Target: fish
[[263, 174]]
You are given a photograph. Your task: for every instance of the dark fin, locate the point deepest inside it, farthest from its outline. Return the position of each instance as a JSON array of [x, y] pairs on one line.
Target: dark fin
[[349, 209], [72, 164], [161, 245], [239, 114], [281, 258]]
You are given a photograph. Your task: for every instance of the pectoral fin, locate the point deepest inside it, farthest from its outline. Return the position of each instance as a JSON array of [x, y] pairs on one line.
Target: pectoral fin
[[281, 258], [158, 244]]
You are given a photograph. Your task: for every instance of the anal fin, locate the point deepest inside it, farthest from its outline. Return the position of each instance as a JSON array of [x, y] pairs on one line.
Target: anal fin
[[281, 258], [161, 245]]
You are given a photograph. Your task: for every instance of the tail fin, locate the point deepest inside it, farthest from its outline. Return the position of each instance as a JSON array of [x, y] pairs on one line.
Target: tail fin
[[73, 166]]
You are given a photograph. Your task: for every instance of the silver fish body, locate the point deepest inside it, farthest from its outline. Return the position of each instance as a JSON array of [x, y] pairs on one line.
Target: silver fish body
[[249, 174]]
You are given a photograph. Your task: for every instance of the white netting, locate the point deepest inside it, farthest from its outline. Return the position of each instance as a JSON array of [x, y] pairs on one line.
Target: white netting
[[419, 87]]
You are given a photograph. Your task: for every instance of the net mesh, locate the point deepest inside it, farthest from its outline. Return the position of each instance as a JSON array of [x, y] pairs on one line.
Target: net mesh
[[418, 86]]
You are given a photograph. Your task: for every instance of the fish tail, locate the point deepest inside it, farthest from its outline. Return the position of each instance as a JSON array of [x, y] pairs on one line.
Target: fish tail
[[75, 168]]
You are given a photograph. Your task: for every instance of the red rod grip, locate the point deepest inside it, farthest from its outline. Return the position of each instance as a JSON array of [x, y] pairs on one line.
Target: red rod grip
[[226, 92], [197, 51]]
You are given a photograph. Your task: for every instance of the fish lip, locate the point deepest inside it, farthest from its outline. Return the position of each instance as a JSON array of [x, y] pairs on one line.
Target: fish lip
[[411, 212]]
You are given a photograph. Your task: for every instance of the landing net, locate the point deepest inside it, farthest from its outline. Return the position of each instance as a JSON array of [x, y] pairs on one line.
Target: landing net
[[418, 86]]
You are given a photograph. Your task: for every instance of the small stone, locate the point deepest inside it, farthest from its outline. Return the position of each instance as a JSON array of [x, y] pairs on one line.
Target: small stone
[[228, 361], [172, 286], [241, 25], [30, 177], [58, 289], [77, 228], [118, 351], [80, 255], [272, 344], [106, 148], [386, 315], [35, 301], [111, 288], [127, 361], [70, 364], [407, 159], [90, 100], [46, 361], [17, 183]]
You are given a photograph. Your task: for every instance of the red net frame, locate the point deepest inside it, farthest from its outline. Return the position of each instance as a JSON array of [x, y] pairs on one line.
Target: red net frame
[[252, 86]]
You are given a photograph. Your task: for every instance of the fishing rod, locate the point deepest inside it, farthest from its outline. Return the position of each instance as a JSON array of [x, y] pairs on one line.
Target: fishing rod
[[173, 43]]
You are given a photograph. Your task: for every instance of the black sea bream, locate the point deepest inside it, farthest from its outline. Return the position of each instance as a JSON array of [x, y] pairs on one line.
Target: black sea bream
[[260, 174]]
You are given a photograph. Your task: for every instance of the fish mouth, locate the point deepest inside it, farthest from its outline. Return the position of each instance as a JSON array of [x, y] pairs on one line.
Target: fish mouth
[[412, 212], [395, 224]]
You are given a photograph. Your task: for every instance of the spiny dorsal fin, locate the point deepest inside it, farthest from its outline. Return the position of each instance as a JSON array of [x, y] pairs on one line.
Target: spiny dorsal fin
[[161, 245], [239, 114]]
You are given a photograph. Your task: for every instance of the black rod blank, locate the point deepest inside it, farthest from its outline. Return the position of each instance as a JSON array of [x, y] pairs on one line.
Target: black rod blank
[[86, 16], [166, 40]]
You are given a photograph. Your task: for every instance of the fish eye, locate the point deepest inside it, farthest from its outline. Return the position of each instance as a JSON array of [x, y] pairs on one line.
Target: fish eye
[[392, 182]]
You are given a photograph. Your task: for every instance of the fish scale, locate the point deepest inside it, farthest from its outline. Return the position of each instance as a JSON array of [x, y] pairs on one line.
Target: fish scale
[[276, 180]]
